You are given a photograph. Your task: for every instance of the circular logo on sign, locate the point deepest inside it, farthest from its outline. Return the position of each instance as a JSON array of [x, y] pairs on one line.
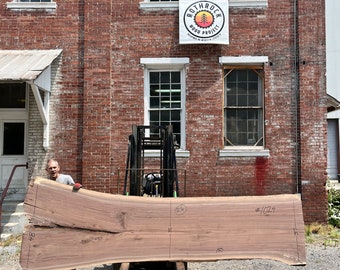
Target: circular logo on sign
[[204, 19]]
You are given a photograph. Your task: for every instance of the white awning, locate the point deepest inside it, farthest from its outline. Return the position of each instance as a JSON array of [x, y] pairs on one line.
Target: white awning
[[25, 65], [34, 68]]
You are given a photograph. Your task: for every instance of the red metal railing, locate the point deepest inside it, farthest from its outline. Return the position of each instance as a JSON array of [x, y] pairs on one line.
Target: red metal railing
[[3, 195]]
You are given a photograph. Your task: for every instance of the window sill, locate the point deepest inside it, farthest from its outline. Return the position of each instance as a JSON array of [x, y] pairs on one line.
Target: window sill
[[31, 5], [244, 152], [158, 6], [232, 4], [155, 153]]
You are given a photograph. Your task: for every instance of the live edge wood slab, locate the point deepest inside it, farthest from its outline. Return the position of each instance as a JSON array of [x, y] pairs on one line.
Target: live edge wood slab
[[70, 229]]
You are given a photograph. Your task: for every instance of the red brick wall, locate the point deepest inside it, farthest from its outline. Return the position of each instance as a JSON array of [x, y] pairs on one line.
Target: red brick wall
[[101, 93], [313, 108], [61, 29], [267, 32]]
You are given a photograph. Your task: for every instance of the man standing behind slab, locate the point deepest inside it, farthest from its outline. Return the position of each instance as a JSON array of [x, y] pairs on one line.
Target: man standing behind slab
[[53, 170]]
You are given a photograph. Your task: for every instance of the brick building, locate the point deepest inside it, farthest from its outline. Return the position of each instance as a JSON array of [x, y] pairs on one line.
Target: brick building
[[248, 109]]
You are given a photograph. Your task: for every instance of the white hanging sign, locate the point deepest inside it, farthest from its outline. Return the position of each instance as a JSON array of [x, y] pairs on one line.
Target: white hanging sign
[[203, 22]]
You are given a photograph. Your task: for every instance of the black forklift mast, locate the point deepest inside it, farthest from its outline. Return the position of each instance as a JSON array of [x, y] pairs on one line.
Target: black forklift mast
[[157, 182]]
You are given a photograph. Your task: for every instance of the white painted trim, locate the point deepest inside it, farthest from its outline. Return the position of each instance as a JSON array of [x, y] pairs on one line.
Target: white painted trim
[[244, 152], [175, 63], [43, 108], [165, 61], [248, 3], [334, 114], [31, 5], [246, 60], [158, 6], [232, 3]]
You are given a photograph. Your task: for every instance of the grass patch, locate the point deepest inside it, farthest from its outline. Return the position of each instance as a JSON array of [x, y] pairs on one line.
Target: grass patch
[[324, 234], [12, 240]]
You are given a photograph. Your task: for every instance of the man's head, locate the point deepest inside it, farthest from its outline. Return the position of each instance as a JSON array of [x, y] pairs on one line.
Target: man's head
[[53, 169]]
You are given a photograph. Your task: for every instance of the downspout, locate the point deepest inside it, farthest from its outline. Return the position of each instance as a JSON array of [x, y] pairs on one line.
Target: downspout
[[296, 90]]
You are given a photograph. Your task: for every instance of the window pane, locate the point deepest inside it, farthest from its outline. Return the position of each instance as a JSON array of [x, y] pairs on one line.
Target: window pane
[[165, 90], [175, 115], [244, 126], [165, 99], [154, 102], [165, 77], [242, 100], [242, 75], [242, 88], [252, 76], [154, 117], [14, 138], [231, 100], [13, 95], [175, 77], [177, 130], [165, 117], [253, 100], [154, 77]]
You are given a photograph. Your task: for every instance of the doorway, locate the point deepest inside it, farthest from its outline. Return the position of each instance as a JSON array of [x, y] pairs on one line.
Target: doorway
[[13, 138]]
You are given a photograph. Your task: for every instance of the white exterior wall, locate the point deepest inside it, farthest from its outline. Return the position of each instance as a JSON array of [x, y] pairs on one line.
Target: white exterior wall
[[333, 82], [333, 48]]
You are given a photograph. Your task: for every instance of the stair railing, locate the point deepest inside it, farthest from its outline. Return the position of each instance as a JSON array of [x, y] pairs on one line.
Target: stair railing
[[4, 193]]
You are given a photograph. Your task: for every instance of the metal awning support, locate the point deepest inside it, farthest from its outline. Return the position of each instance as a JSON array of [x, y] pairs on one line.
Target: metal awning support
[[43, 107]]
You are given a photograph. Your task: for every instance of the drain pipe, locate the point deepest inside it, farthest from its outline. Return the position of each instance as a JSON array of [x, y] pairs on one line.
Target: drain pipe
[[296, 89], [3, 195]]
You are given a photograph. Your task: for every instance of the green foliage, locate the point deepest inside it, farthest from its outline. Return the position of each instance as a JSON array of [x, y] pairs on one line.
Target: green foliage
[[334, 207]]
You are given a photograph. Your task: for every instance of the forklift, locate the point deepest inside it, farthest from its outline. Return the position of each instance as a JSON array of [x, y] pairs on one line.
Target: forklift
[[147, 179], [151, 181]]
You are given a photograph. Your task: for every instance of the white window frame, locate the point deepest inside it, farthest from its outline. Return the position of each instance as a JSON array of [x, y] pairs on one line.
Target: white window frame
[[17, 5], [166, 64], [147, 5], [244, 151]]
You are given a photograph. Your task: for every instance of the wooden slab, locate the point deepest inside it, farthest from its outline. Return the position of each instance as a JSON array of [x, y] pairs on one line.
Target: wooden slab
[[78, 229]]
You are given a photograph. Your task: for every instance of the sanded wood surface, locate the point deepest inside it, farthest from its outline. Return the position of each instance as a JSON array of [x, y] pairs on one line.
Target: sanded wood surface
[[76, 229]]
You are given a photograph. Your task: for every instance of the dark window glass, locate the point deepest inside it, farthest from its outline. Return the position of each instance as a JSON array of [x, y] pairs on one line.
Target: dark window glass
[[14, 138], [13, 95], [243, 109], [165, 100]]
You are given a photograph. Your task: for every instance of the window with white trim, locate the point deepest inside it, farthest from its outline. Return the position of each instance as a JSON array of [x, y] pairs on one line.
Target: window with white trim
[[165, 100], [164, 94], [243, 106]]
